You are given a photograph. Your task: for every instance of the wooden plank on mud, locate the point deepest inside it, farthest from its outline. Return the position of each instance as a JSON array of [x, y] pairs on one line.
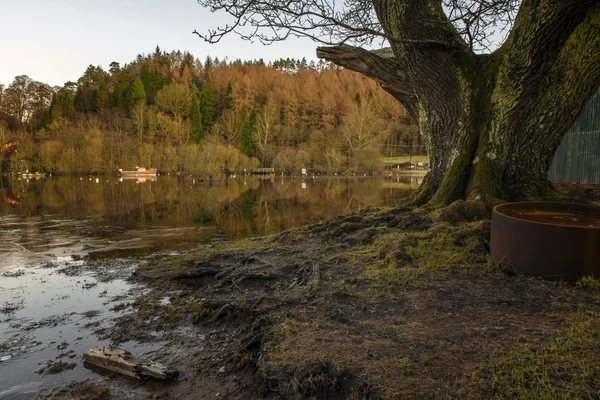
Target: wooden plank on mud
[[123, 362]]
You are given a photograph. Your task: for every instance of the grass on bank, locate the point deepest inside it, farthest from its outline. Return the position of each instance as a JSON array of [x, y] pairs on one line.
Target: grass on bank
[[565, 367], [408, 259]]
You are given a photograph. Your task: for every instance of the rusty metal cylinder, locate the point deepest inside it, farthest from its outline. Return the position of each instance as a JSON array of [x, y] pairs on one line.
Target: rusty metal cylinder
[[551, 240]]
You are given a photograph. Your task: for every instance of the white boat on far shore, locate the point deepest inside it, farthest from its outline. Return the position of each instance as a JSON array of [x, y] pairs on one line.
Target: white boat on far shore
[[138, 172]]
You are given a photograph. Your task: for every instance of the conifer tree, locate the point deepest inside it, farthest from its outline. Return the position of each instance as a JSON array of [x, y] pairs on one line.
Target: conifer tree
[[115, 68], [208, 64], [119, 91], [248, 144], [229, 101], [196, 132], [61, 106], [138, 93], [187, 61], [102, 96], [87, 90], [80, 100], [152, 81], [207, 103]]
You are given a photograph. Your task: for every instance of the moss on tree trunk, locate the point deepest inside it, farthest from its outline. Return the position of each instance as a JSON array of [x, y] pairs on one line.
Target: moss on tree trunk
[[491, 123]]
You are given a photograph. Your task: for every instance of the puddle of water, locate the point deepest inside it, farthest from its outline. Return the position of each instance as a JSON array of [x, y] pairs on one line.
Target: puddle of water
[[53, 311]]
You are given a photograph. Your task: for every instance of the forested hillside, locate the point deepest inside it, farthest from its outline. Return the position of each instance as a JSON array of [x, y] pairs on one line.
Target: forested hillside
[[177, 113]]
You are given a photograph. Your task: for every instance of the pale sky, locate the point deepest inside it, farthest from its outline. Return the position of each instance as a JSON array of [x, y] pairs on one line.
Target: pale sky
[[53, 41]]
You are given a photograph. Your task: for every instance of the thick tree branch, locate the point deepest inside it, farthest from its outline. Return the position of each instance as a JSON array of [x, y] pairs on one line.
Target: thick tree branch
[[385, 71], [379, 65]]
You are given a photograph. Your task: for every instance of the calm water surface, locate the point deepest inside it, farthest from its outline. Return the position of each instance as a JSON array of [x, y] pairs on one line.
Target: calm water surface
[[67, 245]]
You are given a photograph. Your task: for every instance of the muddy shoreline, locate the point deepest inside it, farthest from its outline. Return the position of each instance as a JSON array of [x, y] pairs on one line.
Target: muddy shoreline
[[58, 311], [387, 303], [70, 245]]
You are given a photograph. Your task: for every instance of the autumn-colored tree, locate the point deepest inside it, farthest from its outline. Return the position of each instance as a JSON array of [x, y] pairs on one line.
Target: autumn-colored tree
[[361, 127], [138, 106], [175, 99], [267, 122], [260, 110]]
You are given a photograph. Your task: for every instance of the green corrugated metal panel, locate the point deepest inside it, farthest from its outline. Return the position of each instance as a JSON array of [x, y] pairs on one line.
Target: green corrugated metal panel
[[577, 159]]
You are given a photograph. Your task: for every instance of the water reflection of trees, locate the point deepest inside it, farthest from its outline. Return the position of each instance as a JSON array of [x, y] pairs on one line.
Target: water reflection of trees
[[239, 207]]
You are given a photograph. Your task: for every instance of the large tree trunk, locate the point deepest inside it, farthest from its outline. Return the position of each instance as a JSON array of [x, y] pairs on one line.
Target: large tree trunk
[[491, 123]]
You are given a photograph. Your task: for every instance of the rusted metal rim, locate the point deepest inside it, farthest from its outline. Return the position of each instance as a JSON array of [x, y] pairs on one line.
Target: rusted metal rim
[[543, 244], [549, 206]]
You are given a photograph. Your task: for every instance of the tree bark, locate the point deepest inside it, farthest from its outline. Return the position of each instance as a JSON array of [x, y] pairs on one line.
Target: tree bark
[[491, 123]]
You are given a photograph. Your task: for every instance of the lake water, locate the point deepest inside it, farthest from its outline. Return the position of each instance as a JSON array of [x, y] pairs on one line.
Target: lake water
[[67, 245]]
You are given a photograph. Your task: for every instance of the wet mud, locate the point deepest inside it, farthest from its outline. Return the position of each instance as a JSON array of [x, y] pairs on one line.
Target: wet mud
[[384, 304], [70, 247]]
